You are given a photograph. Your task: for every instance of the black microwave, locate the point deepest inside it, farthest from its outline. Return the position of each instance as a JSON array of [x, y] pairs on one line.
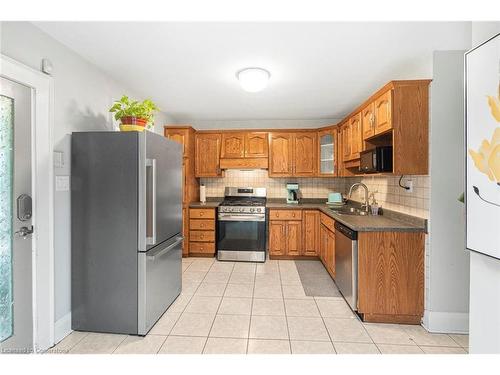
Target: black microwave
[[378, 159]]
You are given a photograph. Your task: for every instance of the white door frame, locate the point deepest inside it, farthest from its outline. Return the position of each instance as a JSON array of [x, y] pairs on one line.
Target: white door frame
[[43, 196]]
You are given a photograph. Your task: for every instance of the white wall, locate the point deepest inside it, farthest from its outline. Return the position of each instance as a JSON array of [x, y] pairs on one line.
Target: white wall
[[484, 313], [447, 261], [83, 95]]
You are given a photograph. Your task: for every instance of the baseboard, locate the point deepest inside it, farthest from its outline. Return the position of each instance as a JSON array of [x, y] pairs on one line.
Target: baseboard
[[62, 328], [446, 322]]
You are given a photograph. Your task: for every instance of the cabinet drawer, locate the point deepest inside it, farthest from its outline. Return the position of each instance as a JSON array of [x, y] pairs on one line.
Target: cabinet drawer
[[202, 247], [202, 213], [285, 214], [201, 236], [328, 222], [202, 224]]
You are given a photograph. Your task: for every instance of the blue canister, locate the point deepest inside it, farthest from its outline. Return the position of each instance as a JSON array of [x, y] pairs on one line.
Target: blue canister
[[335, 198]]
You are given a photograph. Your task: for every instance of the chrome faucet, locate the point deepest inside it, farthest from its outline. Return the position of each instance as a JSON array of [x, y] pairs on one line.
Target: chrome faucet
[[365, 205]]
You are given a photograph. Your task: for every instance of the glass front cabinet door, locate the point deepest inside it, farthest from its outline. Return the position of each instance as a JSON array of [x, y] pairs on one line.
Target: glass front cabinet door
[[327, 152]]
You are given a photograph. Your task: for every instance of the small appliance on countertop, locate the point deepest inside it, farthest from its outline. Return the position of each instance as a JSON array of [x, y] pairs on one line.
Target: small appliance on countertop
[[292, 193], [376, 160], [241, 225]]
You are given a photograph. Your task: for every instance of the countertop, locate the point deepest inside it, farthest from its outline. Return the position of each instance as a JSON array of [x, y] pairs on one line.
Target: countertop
[[388, 221]]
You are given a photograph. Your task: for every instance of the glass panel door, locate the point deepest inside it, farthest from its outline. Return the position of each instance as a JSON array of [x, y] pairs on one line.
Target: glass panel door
[[6, 204], [327, 154]]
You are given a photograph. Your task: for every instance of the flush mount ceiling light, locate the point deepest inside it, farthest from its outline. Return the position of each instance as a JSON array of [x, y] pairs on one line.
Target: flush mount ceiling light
[[253, 79]]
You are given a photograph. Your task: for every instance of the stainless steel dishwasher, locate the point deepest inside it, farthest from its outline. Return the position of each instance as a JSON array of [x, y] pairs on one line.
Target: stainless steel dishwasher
[[346, 263]]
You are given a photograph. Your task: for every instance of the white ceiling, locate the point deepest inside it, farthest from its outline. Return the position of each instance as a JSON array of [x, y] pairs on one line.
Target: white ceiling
[[319, 70]]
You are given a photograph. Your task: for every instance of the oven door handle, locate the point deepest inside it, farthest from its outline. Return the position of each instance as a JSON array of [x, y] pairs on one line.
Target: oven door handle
[[242, 217]]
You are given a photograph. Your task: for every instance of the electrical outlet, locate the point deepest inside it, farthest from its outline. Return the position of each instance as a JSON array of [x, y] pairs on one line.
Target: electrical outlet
[[409, 185]]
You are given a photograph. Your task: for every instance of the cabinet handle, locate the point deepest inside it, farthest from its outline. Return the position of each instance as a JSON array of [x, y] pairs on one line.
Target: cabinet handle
[[202, 213]]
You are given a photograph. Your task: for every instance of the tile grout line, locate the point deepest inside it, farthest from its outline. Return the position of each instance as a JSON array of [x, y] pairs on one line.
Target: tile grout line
[[284, 307], [251, 308]]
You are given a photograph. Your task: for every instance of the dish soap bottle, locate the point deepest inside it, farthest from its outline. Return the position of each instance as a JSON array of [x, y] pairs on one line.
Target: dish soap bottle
[[374, 205]]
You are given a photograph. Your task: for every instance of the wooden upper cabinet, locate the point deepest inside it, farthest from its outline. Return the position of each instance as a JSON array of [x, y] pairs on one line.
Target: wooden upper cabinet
[[208, 148], [178, 135], [280, 154], [233, 145], [368, 121], [356, 141], [383, 113], [327, 155], [256, 145], [305, 154], [346, 141]]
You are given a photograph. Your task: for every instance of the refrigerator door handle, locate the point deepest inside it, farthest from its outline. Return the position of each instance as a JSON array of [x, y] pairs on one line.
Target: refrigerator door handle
[[160, 252], [151, 202]]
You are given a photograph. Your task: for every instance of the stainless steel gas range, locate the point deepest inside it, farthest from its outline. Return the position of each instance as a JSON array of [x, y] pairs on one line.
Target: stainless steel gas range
[[241, 225]]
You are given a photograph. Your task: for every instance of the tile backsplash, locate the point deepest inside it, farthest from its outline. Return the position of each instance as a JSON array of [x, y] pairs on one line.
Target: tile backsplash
[[386, 189]]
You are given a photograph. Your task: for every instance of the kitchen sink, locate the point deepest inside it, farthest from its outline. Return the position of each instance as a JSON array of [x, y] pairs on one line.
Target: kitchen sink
[[349, 211]]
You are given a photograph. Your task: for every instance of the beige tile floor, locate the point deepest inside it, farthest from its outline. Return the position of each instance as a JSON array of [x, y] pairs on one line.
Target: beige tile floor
[[249, 308]]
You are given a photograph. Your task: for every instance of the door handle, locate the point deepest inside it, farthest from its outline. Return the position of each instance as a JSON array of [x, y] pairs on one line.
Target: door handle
[[167, 249], [151, 234], [24, 207], [24, 232]]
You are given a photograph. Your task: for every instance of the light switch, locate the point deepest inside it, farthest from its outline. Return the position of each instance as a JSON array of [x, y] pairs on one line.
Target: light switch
[[58, 159], [62, 183]]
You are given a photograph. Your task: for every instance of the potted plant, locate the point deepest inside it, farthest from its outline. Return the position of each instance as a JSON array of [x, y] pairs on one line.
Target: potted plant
[[134, 115]]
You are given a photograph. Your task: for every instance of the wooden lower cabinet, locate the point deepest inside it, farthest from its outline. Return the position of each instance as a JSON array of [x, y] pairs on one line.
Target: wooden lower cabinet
[[277, 238], [293, 233], [293, 238], [391, 276], [201, 231], [285, 238], [310, 230], [327, 249]]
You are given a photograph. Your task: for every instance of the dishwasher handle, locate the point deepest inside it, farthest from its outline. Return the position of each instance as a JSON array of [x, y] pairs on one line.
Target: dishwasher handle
[[346, 231]]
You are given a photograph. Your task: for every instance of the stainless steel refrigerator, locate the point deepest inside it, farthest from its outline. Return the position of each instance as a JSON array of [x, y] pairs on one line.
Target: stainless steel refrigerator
[[126, 241]]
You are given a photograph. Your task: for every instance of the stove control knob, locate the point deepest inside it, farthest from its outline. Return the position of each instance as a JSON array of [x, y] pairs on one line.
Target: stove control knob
[[257, 209], [252, 209]]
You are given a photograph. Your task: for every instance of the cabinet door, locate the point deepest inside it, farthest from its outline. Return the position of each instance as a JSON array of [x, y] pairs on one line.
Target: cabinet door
[[355, 127], [304, 152], [310, 226], [207, 155], [323, 243], [256, 145], [346, 141], [327, 154], [368, 121], [280, 154], [277, 238], [185, 232], [330, 252], [233, 145], [293, 238], [179, 136], [383, 113]]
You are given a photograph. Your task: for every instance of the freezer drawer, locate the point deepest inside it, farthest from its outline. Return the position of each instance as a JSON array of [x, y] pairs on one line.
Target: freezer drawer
[[160, 275]]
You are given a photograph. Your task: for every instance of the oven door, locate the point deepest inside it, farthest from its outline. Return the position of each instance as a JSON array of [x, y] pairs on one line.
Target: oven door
[[242, 233]]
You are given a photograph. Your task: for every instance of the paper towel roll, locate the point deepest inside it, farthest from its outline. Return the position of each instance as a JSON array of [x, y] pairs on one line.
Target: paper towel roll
[[203, 194]]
